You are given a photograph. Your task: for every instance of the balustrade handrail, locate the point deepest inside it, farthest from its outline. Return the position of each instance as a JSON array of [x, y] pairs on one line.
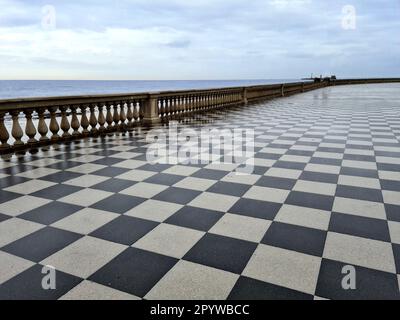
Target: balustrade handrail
[[122, 112]]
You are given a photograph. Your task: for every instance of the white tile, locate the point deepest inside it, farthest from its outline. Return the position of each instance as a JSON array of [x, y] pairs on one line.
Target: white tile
[[84, 257], [363, 252], [361, 208], [87, 158], [14, 229], [315, 187], [302, 216], [37, 173], [328, 155], [11, 266], [191, 281], [87, 168], [394, 228], [213, 201], [391, 197], [86, 181], [388, 160], [181, 170], [267, 194], [30, 186], [169, 240], [273, 150], [389, 175], [322, 168], [283, 173], [195, 184], [241, 178], [289, 269], [136, 175], [21, 205], [86, 197], [241, 227], [88, 290], [360, 182], [144, 190], [154, 210], [359, 164], [130, 164], [43, 162], [85, 221], [292, 158]]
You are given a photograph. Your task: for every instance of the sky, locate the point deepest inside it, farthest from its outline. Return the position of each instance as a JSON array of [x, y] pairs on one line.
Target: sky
[[198, 39]]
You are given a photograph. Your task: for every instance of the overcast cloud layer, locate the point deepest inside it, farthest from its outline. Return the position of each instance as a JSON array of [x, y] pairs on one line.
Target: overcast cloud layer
[[197, 39]]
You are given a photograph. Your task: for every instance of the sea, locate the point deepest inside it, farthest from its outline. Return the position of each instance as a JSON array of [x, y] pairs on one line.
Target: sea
[[52, 88]]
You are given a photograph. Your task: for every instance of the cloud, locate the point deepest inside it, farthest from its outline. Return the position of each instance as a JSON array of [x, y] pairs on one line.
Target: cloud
[[204, 39]]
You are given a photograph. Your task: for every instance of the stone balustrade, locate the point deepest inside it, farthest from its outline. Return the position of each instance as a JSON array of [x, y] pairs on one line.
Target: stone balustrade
[[41, 121]]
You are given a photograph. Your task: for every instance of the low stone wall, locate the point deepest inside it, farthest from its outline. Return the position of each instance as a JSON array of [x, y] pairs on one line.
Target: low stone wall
[[82, 116]]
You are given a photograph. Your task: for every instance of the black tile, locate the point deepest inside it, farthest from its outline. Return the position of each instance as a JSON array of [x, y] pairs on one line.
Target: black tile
[[360, 226], [195, 218], [6, 196], [164, 179], [390, 185], [359, 172], [319, 177], [177, 195], [359, 193], [210, 174], [222, 253], [28, 286], [370, 284], [303, 153], [296, 238], [392, 212], [19, 168], [154, 167], [267, 156], [310, 200], [61, 176], [125, 230], [11, 181], [326, 161], [396, 253], [333, 150], [356, 157], [118, 203], [56, 192], [289, 165], [4, 217], [110, 172], [251, 289], [114, 185], [277, 183], [228, 188], [388, 167], [51, 212], [41, 244], [107, 161], [256, 209], [134, 271], [64, 165], [260, 170]]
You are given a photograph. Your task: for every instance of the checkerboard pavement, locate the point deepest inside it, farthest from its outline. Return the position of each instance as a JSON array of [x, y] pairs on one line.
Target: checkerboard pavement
[[325, 193]]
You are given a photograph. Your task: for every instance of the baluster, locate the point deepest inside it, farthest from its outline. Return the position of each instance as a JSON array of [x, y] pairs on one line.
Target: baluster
[[129, 116], [141, 109], [65, 126], [84, 120], [109, 117], [42, 126], [122, 117], [30, 129], [75, 122], [116, 116], [135, 111], [16, 131], [102, 119], [93, 119], [54, 127], [4, 135]]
